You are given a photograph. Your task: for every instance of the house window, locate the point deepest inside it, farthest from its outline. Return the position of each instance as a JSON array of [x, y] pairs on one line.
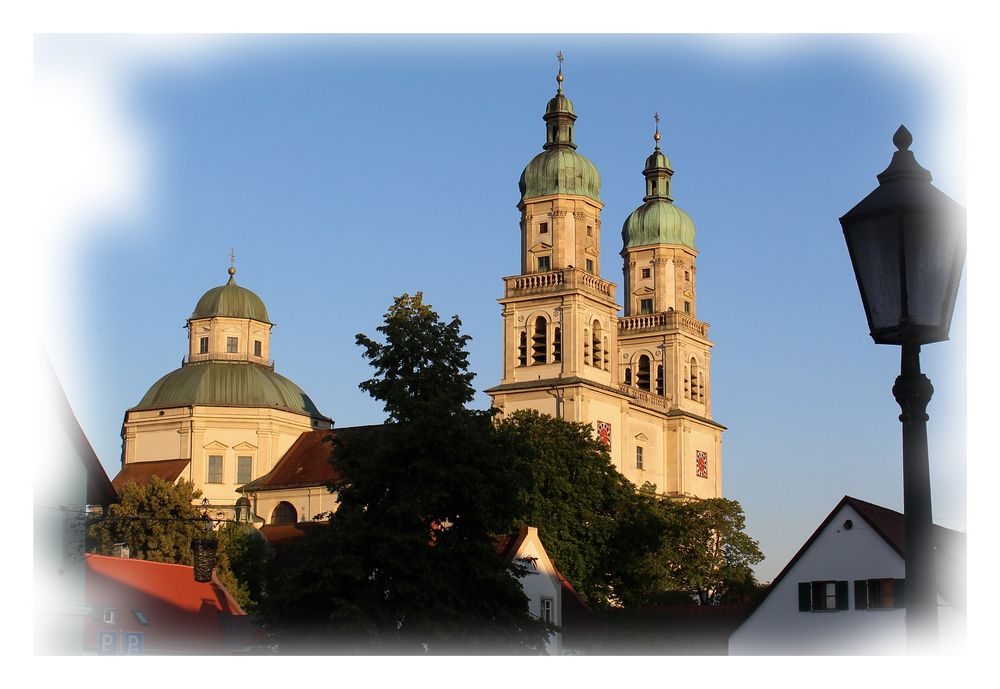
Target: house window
[[543, 228], [645, 306], [590, 231], [203, 345], [215, 469], [257, 348], [231, 344], [243, 469], [284, 513], [590, 265], [687, 276], [543, 264], [821, 596], [687, 307], [638, 457], [645, 273], [546, 610], [878, 594]]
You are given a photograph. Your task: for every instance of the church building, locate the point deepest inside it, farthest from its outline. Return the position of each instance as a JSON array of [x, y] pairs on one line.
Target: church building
[[255, 444], [225, 417], [643, 379]]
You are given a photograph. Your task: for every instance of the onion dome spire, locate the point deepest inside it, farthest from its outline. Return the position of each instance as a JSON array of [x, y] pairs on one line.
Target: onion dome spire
[[657, 171], [658, 220], [559, 116]]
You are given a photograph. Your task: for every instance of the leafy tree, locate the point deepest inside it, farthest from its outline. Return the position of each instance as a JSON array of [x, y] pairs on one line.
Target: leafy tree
[[407, 563], [586, 512], [157, 520], [712, 555]]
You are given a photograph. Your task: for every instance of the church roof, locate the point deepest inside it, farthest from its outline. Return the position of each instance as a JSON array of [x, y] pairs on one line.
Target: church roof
[[230, 300], [227, 384], [308, 462], [141, 472]]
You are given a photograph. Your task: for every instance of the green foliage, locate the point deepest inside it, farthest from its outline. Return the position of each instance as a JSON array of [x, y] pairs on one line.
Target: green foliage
[[407, 563], [156, 520], [618, 545], [241, 567]]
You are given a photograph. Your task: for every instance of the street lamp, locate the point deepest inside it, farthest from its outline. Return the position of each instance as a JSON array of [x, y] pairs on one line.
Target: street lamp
[[907, 245]]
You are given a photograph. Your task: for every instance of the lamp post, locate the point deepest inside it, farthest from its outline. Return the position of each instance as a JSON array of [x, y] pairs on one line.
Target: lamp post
[[907, 245]]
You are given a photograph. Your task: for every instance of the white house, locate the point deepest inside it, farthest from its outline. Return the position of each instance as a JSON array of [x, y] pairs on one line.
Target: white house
[[844, 590]]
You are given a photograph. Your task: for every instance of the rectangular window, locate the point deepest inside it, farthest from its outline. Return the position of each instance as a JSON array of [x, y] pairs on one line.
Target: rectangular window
[[590, 231], [645, 273], [543, 228], [203, 345], [214, 469], [687, 307], [231, 344], [878, 594], [687, 276], [256, 348], [646, 306], [638, 457], [546, 610], [543, 264], [590, 265], [818, 596], [244, 466]]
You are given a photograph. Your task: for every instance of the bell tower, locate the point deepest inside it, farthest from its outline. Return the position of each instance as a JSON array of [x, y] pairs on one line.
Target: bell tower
[[641, 381]]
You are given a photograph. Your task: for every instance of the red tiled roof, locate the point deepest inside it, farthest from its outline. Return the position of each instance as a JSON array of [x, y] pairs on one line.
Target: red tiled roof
[[141, 472], [181, 614], [308, 461]]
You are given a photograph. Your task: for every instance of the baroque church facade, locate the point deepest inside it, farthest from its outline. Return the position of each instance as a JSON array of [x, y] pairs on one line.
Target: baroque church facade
[[643, 379], [258, 448]]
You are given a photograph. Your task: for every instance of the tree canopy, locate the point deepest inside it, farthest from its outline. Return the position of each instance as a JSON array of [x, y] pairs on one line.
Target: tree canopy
[[408, 563]]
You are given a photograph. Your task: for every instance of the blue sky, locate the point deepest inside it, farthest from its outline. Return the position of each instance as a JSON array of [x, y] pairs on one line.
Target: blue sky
[[311, 156]]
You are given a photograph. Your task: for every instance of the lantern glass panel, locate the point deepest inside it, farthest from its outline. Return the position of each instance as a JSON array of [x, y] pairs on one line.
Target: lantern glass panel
[[874, 245], [932, 247]]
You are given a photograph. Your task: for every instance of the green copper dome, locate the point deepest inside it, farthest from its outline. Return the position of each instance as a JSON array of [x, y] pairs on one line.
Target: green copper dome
[[657, 220], [227, 384], [559, 169], [232, 301]]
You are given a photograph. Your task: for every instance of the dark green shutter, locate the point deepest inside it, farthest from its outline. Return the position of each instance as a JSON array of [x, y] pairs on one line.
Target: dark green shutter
[[860, 594], [899, 592], [841, 595], [805, 597]]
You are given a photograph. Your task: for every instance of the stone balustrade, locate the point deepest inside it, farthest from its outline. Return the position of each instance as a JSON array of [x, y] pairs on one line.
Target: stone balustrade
[[664, 320], [556, 281]]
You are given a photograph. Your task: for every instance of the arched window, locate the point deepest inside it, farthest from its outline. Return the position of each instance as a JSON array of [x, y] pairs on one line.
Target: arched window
[[522, 350], [596, 341], [607, 361], [586, 348], [642, 375], [659, 379], [243, 510], [557, 345], [284, 513], [695, 381], [538, 342]]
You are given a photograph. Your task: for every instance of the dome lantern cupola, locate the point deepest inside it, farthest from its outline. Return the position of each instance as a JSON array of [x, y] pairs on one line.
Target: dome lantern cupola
[[559, 169], [658, 220]]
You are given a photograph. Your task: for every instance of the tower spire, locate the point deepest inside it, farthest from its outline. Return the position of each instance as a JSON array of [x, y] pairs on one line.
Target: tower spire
[[232, 265], [656, 136], [559, 76]]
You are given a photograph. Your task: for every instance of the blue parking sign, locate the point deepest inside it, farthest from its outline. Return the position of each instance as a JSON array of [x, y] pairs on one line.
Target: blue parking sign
[[107, 643], [132, 643]]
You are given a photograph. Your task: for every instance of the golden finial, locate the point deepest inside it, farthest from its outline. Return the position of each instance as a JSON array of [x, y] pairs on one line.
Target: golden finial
[[232, 262], [559, 76], [656, 136]]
